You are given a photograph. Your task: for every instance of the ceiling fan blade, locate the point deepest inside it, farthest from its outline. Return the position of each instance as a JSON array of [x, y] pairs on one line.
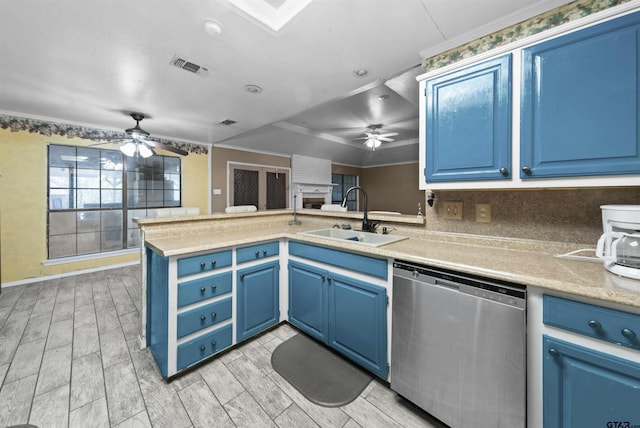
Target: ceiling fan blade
[[361, 138], [388, 140], [111, 141], [388, 134], [166, 147]]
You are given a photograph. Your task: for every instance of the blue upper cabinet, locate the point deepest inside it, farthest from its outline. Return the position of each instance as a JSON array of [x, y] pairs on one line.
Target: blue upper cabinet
[[468, 123], [579, 103]]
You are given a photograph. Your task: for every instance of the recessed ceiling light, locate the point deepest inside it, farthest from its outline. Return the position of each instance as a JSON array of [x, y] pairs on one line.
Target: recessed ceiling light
[[212, 27], [253, 89], [361, 72], [384, 97]]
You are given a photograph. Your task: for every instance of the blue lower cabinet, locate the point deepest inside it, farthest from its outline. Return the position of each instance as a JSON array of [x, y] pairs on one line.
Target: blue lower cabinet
[[203, 346], [586, 388], [358, 322], [203, 317], [308, 299], [257, 299]]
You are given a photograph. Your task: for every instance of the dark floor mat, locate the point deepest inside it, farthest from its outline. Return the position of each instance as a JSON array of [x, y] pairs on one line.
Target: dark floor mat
[[321, 375]]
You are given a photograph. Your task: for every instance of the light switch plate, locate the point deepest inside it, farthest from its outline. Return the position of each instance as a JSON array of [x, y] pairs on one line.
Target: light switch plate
[[452, 210]]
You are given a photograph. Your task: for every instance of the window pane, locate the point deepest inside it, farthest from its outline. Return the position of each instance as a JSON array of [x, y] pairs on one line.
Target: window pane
[[62, 156], [111, 220], [88, 221], [135, 163], [131, 214], [171, 181], [155, 163], [155, 198], [88, 158], [110, 198], [61, 199], [62, 223], [88, 198], [135, 180], [172, 165], [89, 242], [172, 198], [133, 238], [62, 246], [60, 177], [111, 179], [88, 178], [136, 198], [111, 240], [111, 160]]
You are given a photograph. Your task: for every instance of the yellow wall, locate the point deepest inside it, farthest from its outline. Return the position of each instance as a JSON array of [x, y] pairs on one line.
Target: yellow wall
[[23, 209]]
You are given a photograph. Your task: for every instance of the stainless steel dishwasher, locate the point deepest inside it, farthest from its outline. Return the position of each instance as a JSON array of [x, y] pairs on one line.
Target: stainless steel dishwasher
[[458, 346]]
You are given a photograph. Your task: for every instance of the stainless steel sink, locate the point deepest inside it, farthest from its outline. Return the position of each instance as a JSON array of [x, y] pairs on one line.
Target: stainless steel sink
[[362, 238]]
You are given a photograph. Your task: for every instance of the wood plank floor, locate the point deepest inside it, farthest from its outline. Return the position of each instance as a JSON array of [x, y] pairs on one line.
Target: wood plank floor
[[69, 358]]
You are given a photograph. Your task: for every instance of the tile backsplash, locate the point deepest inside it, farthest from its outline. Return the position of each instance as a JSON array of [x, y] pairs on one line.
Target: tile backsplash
[[558, 215]]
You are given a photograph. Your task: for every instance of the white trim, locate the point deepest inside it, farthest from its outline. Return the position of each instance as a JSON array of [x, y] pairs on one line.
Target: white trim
[[66, 274], [390, 164], [93, 256], [245, 149]]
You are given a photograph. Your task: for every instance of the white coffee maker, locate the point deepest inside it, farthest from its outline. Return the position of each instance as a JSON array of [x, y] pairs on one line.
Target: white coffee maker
[[619, 245]]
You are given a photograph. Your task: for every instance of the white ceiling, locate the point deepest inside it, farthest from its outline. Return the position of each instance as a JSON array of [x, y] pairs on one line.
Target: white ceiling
[[91, 62]]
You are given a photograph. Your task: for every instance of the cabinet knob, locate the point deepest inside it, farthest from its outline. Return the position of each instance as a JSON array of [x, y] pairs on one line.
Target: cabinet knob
[[203, 265], [257, 253], [213, 288], [241, 276], [213, 343], [202, 290], [202, 348], [595, 325], [329, 279], [203, 318], [504, 171], [554, 352], [526, 170], [213, 263], [628, 333], [213, 315], [323, 277], [264, 252]]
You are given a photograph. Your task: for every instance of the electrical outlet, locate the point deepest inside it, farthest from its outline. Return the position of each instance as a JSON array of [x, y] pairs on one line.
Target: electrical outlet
[[483, 213], [452, 210]]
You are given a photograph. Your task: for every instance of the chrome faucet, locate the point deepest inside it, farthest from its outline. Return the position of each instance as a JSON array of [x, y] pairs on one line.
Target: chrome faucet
[[367, 226]]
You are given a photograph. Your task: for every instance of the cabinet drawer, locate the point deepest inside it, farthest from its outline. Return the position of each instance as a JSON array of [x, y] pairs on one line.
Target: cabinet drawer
[[353, 262], [201, 289], [206, 316], [614, 326], [255, 252], [201, 347], [203, 263]]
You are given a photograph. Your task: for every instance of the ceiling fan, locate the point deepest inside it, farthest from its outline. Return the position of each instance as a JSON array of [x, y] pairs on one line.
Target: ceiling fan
[[374, 138], [137, 141]]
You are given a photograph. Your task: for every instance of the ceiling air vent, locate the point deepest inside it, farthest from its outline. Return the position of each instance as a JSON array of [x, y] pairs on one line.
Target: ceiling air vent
[[227, 122], [189, 66]]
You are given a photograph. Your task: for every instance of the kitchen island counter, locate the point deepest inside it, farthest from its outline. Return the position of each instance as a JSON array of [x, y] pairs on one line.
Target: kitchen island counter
[[524, 262]]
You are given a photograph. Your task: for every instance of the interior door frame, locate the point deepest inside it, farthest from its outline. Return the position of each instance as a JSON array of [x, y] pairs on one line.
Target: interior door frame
[[262, 185]]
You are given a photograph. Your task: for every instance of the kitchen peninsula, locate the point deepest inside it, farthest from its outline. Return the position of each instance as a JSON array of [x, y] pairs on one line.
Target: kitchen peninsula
[[529, 263]]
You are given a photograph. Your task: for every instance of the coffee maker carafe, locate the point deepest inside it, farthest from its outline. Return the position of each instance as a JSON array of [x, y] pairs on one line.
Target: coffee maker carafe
[[619, 245]]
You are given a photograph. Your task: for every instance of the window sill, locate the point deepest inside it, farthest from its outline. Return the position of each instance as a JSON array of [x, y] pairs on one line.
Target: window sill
[[94, 256]]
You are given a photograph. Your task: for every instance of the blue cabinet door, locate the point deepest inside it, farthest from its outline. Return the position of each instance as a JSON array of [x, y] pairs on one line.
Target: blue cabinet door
[[579, 103], [258, 301], [308, 299], [468, 123], [587, 388], [358, 322]]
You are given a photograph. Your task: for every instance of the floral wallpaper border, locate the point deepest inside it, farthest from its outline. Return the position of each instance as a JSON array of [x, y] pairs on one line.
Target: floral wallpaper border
[[553, 18], [16, 124]]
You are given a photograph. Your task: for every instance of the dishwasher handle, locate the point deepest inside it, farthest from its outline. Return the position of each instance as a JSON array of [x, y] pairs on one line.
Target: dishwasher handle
[[448, 284]]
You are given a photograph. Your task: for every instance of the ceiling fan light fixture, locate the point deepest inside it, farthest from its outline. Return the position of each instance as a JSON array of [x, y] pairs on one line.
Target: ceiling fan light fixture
[[129, 149], [145, 151], [372, 143]]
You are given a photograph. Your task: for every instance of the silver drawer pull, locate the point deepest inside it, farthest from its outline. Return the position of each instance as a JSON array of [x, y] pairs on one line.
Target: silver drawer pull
[[264, 252], [213, 263], [213, 343], [213, 287], [203, 318], [202, 290], [257, 253], [628, 333], [241, 276], [203, 265], [595, 325], [202, 348], [213, 314], [554, 352]]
